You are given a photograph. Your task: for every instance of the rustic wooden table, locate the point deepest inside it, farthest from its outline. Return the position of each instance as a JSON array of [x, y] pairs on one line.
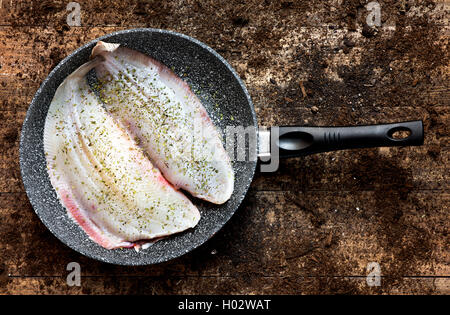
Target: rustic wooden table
[[316, 224]]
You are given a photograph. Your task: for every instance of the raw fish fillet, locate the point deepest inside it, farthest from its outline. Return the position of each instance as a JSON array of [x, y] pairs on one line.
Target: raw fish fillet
[[102, 177], [167, 119]]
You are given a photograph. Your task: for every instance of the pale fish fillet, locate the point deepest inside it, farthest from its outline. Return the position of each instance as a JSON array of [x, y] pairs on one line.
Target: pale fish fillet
[[167, 119], [102, 177]]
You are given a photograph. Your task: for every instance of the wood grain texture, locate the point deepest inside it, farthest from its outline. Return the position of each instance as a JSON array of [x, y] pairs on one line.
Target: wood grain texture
[[315, 224]]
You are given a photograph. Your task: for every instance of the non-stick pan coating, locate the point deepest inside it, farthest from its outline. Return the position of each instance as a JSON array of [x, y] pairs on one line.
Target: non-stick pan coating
[[226, 100]]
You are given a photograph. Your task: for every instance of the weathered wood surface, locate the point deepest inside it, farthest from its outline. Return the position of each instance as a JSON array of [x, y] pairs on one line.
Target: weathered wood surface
[[313, 226]]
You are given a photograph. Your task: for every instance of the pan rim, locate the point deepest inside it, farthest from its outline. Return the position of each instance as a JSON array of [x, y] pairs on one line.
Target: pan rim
[[50, 76]]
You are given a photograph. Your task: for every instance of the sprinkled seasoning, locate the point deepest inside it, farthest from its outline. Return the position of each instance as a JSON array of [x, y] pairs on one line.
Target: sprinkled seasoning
[[169, 123]]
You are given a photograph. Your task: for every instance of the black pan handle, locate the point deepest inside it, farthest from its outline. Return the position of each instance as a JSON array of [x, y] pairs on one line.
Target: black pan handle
[[299, 141]]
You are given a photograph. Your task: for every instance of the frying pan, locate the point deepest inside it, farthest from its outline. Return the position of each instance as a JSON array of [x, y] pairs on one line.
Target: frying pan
[[227, 101]]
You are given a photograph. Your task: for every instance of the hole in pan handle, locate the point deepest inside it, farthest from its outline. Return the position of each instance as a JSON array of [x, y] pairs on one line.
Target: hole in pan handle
[[299, 141]]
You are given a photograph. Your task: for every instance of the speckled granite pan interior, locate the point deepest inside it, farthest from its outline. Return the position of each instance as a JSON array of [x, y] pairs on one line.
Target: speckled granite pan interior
[[221, 91]]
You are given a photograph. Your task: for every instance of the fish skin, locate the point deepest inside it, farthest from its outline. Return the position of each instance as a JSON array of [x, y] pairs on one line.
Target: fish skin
[[102, 177], [167, 118]]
